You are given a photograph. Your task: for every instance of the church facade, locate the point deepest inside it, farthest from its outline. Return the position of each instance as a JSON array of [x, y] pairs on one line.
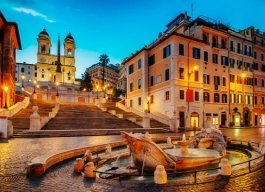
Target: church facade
[[52, 68]]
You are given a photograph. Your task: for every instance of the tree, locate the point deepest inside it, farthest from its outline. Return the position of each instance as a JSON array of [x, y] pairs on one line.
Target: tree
[[86, 82], [104, 61]]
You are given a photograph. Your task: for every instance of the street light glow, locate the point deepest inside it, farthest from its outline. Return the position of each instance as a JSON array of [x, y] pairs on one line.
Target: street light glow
[[5, 88]]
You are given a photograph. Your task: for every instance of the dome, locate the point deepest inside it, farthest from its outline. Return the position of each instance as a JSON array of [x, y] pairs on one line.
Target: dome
[[44, 32], [69, 36]]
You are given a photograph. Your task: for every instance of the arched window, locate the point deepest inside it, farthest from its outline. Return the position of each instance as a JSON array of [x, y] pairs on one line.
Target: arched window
[[69, 52], [43, 49]]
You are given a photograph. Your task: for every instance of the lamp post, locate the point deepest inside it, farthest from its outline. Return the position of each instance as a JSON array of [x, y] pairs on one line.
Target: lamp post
[[97, 90], [148, 104], [5, 89], [34, 90], [57, 88], [22, 78]]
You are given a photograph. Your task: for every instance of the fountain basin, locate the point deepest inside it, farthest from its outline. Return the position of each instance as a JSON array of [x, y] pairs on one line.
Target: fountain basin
[[193, 152]]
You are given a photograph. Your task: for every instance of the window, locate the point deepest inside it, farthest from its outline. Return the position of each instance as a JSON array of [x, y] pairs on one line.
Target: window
[[263, 67], [69, 52], [224, 98], [196, 75], [36, 74], [196, 53], [214, 42], [255, 100], [42, 75], [239, 64], [167, 95], [139, 63], [166, 51], [181, 73], [206, 79], [245, 49], [223, 44], [216, 97], [224, 81], [232, 62], [215, 58], [262, 57], [139, 83], [22, 70], [181, 94], [206, 97], [238, 48], [205, 56], [216, 80], [205, 38], [151, 60], [131, 86], [255, 55], [131, 69], [256, 66], [262, 82], [224, 60], [232, 46], [139, 101], [151, 99], [43, 49], [151, 80], [197, 96], [166, 74], [181, 49]]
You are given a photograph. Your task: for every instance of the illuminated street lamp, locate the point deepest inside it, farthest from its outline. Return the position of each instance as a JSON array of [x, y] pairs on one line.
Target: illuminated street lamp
[[148, 104], [97, 90], [5, 89], [57, 88], [22, 78], [34, 82]]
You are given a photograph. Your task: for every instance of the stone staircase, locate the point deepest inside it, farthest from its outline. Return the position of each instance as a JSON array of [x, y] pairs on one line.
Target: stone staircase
[[111, 106], [21, 119], [78, 116]]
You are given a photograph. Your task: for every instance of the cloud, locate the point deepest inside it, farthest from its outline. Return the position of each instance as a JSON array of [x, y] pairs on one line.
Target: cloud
[[33, 13]]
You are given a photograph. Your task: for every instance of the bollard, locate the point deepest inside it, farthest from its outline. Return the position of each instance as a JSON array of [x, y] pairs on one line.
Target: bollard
[[147, 135], [160, 175], [169, 141], [88, 156], [79, 165], [226, 168], [89, 171]]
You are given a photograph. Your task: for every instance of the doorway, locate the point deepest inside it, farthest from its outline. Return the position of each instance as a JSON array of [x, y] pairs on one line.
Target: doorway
[[182, 119], [194, 120]]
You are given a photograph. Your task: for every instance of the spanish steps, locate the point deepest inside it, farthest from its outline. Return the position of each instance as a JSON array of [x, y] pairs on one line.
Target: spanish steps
[[76, 119]]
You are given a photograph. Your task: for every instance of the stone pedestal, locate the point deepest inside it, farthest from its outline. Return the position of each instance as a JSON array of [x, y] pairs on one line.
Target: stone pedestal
[[10, 129], [88, 155], [3, 127], [226, 168], [35, 123], [146, 121], [89, 171], [160, 175], [79, 165]]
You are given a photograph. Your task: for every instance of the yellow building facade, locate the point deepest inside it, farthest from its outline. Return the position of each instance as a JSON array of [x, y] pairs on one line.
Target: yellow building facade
[[48, 68]]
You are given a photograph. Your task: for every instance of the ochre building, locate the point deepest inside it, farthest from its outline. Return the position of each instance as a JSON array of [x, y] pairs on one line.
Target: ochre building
[[202, 73]]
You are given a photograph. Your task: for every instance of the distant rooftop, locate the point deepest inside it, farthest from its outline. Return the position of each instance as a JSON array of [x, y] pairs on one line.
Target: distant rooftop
[[109, 66]]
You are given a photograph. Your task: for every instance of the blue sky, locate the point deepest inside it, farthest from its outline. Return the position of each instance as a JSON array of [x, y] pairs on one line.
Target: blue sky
[[116, 27]]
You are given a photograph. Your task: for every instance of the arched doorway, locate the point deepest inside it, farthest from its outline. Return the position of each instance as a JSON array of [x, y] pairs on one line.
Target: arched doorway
[[246, 117], [236, 119], [194, 120], [223, 119]]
